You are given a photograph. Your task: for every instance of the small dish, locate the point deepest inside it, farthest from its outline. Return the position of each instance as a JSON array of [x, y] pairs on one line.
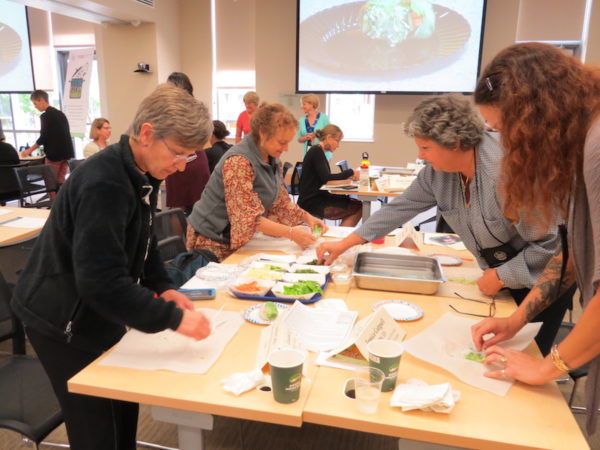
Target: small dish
[[271, 266], [262, 274], [264, 286], [252, 314], [446, 260], [316, 269], [400, 310], [277, 291], [319, 278]]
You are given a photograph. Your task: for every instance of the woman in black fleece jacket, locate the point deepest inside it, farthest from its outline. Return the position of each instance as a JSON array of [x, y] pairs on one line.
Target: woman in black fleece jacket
[[95, 268]]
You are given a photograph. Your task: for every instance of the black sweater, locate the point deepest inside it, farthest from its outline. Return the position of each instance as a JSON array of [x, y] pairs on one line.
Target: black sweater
[[315, 173], [86, 263], [55, 135]]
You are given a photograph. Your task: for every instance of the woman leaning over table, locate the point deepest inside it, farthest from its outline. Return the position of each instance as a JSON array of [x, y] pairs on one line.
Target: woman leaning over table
[[95, 270], [546, 106], [246, 194], [311, 122], [100, 132], [316, 172], [461, 180]]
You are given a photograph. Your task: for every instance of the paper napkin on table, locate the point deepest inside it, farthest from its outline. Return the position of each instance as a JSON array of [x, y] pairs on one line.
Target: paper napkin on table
[[240, 382], [416, 394]]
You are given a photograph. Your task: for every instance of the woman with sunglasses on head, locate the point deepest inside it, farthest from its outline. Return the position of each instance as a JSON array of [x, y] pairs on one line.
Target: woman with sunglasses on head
[[546, 106], [316, 172], [461, 180], [246, 194], [95, 269]]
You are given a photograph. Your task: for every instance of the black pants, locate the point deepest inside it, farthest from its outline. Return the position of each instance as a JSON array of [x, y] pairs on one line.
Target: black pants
[[551, 317], [93, 423]]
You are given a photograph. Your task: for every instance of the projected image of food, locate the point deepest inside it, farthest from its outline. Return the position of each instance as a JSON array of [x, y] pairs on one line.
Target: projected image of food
[[10, 48], [399, 38], [397, 20]]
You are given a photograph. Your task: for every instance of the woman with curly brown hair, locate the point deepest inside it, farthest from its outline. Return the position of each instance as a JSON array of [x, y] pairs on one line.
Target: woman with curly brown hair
[[546, 105]]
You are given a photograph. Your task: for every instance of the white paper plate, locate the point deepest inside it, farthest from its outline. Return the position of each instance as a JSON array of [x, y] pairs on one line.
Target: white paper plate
[[400, 310], [252, 314], [446, 260], [265, 286]]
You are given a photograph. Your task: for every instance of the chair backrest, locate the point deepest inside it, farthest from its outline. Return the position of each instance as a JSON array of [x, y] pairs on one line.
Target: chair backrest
[[36, 180], [170, 222], [295, 181], [10, 327], [74, 164], [10, 188], [343, 165], [170, 247]]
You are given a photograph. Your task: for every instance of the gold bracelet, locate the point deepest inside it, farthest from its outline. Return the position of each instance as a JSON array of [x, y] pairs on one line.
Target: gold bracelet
[[557, 361]]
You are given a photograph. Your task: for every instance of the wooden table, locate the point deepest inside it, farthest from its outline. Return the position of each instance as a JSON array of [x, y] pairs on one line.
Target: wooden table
[[365, 196], [12, 235], [527, 417]]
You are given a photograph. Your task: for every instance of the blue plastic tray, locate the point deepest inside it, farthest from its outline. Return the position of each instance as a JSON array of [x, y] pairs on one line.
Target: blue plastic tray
[[271, 297]]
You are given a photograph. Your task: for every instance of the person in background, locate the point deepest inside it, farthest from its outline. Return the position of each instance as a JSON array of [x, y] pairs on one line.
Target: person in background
[[246, 193], [310, 122], [95, 269], [218, 144], [185, 188], [55, 136], [242, 127], [546, 106], [461, 180], [8, 154], [100, 132], [316, 172]]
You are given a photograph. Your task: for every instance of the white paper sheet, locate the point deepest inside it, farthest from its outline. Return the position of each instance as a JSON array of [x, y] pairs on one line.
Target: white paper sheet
[[444, 344], [319, 329], [5, 211], [261, 241], [24, 222], [339, 232], [172, 351]]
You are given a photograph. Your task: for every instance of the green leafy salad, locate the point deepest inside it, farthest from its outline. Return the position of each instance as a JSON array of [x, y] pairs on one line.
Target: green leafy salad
[[302, 288], [397, 20], [305, 271]]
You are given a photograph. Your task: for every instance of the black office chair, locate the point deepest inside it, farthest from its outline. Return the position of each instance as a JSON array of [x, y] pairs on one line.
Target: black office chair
[[170, 222], [28, 404], [170, 247], [343, 165], [74, 164], [294, 186], [10, 188], [36, 184]]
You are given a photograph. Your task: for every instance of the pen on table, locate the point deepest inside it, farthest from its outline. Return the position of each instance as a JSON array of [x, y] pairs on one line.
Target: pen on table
[[213, 319]]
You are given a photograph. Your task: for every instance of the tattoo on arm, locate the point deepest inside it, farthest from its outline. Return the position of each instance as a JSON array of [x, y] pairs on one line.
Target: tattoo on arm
[[544, 292]]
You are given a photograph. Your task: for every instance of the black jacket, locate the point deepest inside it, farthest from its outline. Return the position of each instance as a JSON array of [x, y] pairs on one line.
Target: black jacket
[[80, 284]]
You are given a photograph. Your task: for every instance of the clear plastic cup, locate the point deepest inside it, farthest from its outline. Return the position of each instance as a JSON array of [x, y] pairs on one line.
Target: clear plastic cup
[[367, 385]]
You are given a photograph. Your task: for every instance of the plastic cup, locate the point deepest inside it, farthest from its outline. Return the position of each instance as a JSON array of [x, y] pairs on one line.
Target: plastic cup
[[286, 374], [367, 389], [341, 281], [385, 355]]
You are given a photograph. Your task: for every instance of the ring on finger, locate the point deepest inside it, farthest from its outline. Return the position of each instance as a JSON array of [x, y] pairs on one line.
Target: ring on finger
[[503, 372], [503, 359]]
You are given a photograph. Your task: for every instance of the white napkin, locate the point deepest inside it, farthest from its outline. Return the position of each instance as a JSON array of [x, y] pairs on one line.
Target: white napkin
[[243, 381], [416, 394]]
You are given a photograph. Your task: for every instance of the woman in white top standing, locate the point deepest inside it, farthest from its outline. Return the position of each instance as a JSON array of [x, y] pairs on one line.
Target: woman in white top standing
[[99, 133]]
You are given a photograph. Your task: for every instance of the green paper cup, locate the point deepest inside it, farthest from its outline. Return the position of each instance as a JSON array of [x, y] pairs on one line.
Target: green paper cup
[[286, 374], [385, 355]]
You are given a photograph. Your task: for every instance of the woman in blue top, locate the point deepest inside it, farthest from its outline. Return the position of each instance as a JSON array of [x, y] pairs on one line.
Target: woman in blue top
[[311, 122]]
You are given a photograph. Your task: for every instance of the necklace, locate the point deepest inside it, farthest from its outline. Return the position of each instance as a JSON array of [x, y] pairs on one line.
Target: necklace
[[466, 195]]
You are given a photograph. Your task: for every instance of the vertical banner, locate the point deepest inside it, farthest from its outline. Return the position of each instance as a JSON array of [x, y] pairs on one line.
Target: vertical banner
[[76, 94]]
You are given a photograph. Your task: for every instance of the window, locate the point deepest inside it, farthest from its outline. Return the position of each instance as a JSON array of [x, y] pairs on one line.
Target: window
[[231, 85], [354, 114]]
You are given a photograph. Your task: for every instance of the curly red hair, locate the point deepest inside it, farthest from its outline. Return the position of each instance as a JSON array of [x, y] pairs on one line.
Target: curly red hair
[[547, 101]]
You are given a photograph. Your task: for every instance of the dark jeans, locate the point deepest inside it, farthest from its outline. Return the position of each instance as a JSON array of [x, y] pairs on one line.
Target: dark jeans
[[92, 423], [551, 317]]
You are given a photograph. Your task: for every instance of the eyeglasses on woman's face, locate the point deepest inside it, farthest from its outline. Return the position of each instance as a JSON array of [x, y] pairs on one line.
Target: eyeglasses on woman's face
[[177, 157]]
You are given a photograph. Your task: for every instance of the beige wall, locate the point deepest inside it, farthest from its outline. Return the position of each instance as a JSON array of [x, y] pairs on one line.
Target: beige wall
[[550, 20], [235, 34], [69, 32], [41, 48], [593, 45]]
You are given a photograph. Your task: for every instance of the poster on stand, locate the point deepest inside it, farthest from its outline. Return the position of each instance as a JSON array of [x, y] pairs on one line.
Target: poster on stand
[[76, 93]]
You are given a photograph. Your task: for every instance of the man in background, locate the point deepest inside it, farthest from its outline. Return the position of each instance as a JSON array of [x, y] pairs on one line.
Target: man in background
[[55, 135]]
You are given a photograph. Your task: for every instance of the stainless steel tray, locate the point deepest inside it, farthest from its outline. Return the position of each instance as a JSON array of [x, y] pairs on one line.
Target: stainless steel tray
[[400, 273]]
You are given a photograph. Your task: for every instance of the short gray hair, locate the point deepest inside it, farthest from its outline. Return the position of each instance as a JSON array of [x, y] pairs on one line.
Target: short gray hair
[[447, 120], [176, 115]]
